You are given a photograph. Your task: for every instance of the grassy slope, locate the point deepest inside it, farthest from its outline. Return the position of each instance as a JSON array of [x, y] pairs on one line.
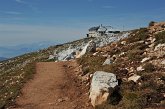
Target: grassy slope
[[14, 73], [148, 92]]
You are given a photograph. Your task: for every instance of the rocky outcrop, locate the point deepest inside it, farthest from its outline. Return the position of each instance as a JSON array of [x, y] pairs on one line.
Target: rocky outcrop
[[90, 47], [157, 27], [80, 47], [102, 86]]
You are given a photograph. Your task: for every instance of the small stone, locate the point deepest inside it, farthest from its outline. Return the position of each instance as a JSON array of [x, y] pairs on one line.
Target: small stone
[[140, 68], [159, 46], [60, 100], [66, 99], [122, 54], [145, 59], [107, 61], [124, 79], [153, 40], [94, 54], [151, 45], [51, 57], [90, 75], [131, 69], [163, 62], [123, 42], [106, 55], [134, 78], [146, 43]]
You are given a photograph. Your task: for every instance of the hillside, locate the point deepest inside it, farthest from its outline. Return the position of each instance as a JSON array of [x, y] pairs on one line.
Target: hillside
[[137, 53], [14, 73], [139, 63]]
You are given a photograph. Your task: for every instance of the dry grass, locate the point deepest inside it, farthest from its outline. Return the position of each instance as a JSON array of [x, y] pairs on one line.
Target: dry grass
[[134, 96]]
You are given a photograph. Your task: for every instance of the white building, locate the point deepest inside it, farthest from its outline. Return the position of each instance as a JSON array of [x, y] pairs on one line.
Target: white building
[[102, 31]]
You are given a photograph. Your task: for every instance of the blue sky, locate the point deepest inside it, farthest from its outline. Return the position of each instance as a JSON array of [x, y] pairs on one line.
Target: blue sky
[[28, 21]]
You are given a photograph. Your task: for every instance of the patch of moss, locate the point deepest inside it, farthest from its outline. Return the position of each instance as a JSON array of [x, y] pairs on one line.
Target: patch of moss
[[149, 67], [160, 38], [138, 35], [135, 54]]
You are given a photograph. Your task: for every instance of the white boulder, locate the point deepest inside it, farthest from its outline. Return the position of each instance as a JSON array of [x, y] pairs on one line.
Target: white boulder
[[83, 51], [90, 46], [100, 87], [51, 57], [94, 54]]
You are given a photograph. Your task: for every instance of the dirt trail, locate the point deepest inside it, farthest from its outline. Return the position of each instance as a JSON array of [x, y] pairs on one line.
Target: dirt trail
[[54, 87]]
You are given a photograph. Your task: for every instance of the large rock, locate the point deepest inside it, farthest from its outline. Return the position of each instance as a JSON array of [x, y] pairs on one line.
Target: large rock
[[51, 57], [102, 87], [90, 47]]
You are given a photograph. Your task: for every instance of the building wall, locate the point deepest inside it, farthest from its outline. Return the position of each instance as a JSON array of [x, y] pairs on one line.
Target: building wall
[[93, 34]]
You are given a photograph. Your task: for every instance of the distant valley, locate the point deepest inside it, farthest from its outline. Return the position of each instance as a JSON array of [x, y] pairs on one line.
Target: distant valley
[[12, 51], [2, 58]]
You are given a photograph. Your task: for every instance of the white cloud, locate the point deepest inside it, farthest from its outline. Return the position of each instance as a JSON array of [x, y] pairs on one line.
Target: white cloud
[[29, 5]]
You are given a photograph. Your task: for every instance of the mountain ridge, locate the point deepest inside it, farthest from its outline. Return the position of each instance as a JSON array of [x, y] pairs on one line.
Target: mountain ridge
[[3, 58], [137, 54], [13, 51]]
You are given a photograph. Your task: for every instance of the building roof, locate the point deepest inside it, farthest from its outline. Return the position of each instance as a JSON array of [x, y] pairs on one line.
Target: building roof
[[109, 28], [102, 29], [94, 28]]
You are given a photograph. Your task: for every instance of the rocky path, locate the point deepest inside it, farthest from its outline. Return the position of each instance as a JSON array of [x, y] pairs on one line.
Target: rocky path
[[54, 87]]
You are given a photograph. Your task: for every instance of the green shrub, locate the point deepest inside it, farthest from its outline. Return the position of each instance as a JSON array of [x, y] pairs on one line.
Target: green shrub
[[85, 70], [149, 67], [141, 34], [132, 100], [160, 37], [152, 23], [135, 54]]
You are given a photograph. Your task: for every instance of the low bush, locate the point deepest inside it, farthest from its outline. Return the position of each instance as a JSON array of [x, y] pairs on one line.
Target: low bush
[[149, 67], [141, 34], [152, 23], [135, 54], [160, 38]]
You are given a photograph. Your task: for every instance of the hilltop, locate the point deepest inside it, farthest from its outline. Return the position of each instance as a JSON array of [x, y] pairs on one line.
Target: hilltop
[[138, 61], [138, 53]]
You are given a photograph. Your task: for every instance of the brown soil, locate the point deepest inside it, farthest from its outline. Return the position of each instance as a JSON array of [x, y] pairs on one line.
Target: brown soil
[[54, 86]]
